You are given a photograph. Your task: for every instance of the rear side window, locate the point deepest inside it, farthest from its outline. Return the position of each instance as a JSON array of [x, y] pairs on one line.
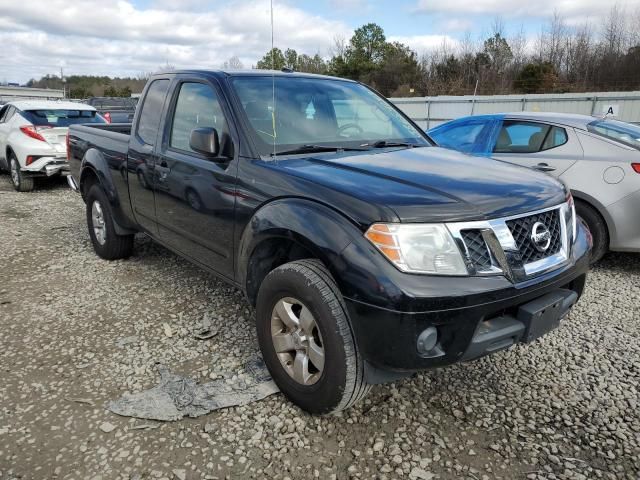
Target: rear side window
[[61, 118], [557, 136], [149, 121], [528, 137], [10, 111]]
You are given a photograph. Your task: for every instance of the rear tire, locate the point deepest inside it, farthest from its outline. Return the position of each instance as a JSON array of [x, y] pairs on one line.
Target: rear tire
[[106, 242], [598, 229], [21, 182], [338, 382]]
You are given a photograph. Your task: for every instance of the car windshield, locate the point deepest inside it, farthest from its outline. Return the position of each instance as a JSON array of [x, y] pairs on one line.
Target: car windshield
[[626, 133], [312, 112], [61, 118]]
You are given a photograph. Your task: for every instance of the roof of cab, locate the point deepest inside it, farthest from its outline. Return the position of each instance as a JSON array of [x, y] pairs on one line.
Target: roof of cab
[[49, 105], [251, 72]]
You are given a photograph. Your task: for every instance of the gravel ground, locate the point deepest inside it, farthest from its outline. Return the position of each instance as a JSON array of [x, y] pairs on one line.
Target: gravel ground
[[78, 331]]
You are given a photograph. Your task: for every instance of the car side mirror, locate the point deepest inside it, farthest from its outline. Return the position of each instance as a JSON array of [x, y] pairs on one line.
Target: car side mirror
[[205, 140]]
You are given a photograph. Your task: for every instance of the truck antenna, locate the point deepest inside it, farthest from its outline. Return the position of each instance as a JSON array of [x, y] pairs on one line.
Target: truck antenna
[[273, 85]]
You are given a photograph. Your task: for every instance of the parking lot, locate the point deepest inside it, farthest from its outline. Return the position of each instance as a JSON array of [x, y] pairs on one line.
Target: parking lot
[[567, 406]]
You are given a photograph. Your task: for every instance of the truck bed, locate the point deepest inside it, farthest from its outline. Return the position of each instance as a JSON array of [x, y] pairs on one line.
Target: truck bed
[[111, 139]]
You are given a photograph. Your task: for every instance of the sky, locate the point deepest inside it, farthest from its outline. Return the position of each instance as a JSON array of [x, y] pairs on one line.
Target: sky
[[130, 37]]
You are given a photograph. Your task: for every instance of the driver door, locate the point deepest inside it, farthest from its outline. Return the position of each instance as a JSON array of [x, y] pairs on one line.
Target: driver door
[[195, 193]]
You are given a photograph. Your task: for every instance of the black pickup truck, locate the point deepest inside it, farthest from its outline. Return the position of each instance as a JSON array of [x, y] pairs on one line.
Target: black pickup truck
[[367, 252]]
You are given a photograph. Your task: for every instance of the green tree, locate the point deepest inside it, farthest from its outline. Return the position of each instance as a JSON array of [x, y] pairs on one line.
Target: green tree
[[498, 51], [111, 91], [273, 59], [536, 78]]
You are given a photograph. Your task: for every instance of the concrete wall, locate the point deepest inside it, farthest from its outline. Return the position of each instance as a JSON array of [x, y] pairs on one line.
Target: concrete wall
[[429, 112]]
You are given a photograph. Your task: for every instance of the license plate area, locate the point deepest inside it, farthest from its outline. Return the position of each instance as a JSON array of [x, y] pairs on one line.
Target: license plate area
[[543, 314]]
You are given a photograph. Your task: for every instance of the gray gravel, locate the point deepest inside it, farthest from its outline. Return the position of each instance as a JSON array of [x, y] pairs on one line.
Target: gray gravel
[[78, 332]]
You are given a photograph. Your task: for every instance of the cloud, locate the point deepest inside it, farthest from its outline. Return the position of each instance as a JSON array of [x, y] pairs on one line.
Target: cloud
[[117, 38], [426, 43], [572, 10]]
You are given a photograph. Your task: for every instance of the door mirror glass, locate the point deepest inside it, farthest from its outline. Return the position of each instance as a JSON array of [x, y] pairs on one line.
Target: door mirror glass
[[205, 140]]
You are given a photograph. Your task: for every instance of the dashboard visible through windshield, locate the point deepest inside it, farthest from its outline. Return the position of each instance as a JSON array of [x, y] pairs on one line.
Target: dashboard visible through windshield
[[320, 113]]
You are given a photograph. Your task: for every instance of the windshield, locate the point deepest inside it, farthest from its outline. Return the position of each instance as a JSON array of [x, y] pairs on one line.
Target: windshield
[[626, 133], [324, 112], [61, 118]]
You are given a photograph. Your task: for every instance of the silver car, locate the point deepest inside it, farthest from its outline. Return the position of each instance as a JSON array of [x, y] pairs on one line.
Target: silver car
[[599, 159]]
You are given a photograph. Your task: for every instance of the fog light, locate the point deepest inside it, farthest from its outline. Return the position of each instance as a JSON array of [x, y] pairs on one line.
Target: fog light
[[427, 340]]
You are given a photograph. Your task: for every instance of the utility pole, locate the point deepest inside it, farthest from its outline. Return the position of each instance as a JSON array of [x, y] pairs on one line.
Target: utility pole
[[64, 92]]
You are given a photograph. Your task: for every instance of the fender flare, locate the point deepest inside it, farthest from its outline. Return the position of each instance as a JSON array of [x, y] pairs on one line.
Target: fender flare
[[317, 228], [94, 164]]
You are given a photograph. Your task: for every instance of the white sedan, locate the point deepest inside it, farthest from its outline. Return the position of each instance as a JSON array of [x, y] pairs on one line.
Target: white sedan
[[33, 138]]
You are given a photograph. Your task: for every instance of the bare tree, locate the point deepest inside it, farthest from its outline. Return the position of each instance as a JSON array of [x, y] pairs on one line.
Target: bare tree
[[233, 63]]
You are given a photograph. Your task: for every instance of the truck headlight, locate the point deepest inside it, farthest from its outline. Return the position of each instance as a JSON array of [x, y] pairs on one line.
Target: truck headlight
[[572, 212], [418, 248]]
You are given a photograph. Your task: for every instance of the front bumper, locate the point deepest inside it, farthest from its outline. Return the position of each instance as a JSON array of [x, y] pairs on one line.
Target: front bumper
[[468, 326], [624, 224]]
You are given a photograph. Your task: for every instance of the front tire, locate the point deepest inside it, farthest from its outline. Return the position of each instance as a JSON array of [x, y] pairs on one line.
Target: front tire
[[21, 182], [306, 339], [598, 229], [106, 242]]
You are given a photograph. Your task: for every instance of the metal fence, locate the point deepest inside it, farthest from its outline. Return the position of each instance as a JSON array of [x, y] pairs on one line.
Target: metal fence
[[11, 93], [429, 112]]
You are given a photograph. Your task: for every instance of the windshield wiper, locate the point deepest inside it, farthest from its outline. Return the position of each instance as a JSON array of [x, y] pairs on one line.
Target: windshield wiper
[[386, 143], [319, 149]]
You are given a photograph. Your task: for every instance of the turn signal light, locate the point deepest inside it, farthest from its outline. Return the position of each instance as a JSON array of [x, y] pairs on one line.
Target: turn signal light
[[636, 167], [380, 235]]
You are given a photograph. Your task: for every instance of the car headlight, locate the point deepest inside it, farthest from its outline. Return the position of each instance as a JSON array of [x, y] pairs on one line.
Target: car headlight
[[418, 248]]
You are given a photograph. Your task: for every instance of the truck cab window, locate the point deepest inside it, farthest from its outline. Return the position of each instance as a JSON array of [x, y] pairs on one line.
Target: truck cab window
[[198, 107], [152, 111]]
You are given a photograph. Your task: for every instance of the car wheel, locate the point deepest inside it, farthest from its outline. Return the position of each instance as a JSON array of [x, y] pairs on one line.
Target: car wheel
[[306, 339], [598, 229], [21, 182], [106, 242]]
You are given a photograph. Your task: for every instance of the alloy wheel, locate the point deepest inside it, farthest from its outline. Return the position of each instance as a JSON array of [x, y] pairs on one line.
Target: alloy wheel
[[297, 341], [98, 222]]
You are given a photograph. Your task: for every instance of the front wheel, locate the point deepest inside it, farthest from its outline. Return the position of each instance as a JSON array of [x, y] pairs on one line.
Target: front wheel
[[21, 182], [106, 242], [306, 339]]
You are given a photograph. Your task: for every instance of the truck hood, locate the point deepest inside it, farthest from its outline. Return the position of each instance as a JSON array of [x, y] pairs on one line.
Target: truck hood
[[430, 184]]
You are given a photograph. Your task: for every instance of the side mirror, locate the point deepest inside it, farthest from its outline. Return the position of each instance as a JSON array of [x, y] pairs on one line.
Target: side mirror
[[205, 140]]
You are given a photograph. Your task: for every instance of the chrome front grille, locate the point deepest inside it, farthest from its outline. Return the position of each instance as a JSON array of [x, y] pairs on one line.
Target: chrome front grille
[[518, 247], [477, 249], [521, 229]]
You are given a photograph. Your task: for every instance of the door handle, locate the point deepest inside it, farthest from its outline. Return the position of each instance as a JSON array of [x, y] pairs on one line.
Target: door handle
[[544, 167]]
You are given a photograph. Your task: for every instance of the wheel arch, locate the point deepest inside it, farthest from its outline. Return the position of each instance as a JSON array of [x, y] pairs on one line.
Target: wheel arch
[[600, 209], [286, 230], [95, 169]]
